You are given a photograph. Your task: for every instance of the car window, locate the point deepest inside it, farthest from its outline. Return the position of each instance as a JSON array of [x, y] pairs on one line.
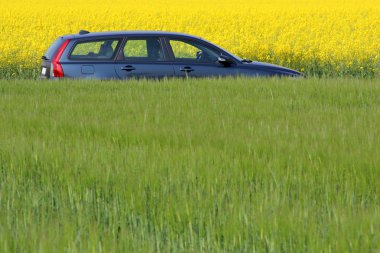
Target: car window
[[100, 49], [191, 51], [149, 49]]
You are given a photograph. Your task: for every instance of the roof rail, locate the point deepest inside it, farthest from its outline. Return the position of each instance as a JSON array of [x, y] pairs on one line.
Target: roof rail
[[81, 32]]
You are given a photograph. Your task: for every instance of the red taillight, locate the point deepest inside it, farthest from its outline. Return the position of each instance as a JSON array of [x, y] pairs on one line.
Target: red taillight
[[57, 70]]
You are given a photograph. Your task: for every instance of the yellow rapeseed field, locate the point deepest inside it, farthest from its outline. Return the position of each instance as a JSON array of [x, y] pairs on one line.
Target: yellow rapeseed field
[[318, 37]]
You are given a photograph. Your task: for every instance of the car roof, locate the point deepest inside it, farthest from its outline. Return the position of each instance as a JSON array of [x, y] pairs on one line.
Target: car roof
[[134, 33]]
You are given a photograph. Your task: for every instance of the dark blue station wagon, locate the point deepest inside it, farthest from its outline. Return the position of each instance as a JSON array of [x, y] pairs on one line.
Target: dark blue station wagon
[[146, 54]]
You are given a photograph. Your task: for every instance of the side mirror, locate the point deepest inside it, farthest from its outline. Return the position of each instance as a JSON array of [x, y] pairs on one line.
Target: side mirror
[[225, 60]]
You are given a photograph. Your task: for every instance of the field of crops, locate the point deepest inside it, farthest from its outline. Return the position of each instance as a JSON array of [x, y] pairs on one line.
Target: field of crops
[[194, 165], [247, 165], [334, 38]]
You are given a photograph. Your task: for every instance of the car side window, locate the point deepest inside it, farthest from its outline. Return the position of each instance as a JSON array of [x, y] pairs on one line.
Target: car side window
[[190, 51], [147, 49], [95, 50]]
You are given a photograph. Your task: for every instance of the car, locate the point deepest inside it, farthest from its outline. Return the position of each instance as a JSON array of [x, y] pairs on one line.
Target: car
[[146, 54]]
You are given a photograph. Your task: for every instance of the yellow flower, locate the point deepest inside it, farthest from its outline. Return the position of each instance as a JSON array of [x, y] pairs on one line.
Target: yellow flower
[[302, 35]]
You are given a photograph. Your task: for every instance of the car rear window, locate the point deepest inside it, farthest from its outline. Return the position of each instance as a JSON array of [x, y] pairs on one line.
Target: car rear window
[[53, 48], [95, 50]]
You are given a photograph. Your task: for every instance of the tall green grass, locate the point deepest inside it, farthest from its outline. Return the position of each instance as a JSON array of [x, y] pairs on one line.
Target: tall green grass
[[214, 165]]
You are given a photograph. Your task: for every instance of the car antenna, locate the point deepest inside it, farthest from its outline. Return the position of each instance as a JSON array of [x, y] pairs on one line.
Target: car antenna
[[81, 32]]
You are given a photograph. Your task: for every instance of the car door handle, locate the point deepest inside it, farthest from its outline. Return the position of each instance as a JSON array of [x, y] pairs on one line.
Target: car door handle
[[186, 69], [128, 68]]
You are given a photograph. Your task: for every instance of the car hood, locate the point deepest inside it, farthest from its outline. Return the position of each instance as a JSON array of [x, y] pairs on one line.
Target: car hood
[[272, 68]]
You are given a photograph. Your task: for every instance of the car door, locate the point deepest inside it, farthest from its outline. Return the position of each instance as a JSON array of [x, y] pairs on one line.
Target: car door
[[194, 58], [143, 57], [91, 58]]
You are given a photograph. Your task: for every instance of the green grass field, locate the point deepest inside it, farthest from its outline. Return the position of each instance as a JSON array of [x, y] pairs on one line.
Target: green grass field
[[215, 165]]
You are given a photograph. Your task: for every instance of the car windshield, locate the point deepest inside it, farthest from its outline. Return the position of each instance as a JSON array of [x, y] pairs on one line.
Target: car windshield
[[234, 56]]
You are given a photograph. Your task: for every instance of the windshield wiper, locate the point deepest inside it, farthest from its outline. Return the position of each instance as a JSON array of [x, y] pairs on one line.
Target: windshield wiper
[[44, 58], [246, 61]]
